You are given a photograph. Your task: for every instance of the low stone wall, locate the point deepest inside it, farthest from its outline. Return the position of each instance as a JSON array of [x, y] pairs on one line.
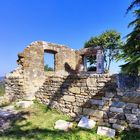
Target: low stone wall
[[95, 96], [14, 85]]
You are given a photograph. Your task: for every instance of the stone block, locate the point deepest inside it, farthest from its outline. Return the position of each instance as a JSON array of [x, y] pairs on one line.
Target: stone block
[[91, 112], [111, 120], [131, 97], [119, 116], [83, 89], [24, 104], [91, 81], [96, 119], [77, 109], [120, 93], [88, 111], [122, 122], [131, 105], [104, 108], [109, 94], [73, 115], [65, 110], [127, 111], [83, 84], [136, 111], [86, 123], [4, 113], [106, 131], [81, 100], [79, 104], [116, 99], [97, 102], [106, 99], [118, 127], [116, 110], [63, 125], [131, 118], [69, 98], [101, 84], [118, 104], [75, 90], [102, 79]]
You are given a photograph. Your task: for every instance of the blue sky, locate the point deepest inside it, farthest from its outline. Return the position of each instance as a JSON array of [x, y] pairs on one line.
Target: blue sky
[[69, 22]]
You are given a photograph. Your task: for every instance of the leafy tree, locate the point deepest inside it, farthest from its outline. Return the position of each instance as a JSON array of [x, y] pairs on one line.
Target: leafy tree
[[47, 68], [110, 41], [131, 50]]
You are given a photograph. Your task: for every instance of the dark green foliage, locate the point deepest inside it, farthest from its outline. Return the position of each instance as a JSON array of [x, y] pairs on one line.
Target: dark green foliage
[[47, 68], [133, 5], [131, 50], [91, 60]]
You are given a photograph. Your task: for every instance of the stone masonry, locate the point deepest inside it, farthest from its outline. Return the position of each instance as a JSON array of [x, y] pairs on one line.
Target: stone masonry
[[72, 90], [93, 95], [31, 75]]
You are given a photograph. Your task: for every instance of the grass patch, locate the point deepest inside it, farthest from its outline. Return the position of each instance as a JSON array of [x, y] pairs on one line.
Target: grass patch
[[37, 123]]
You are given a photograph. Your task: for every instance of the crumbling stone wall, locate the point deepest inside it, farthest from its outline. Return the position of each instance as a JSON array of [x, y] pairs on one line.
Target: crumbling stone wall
[[63, 55], [70, 90], [31, 63], [14, 86], [93, 95]]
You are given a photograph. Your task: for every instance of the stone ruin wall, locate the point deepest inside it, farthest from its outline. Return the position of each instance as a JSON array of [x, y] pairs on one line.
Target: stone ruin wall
[[96, 96], [14, 86], [30, 74], [75, 94]]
